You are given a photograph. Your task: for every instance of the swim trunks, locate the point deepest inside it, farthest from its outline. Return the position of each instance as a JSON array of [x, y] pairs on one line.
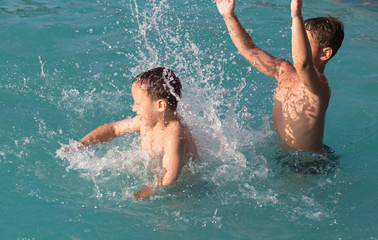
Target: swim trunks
[[308, 163]]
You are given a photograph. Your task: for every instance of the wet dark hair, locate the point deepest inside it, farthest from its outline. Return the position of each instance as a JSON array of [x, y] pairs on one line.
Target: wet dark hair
[[327, 32], [161, 83]]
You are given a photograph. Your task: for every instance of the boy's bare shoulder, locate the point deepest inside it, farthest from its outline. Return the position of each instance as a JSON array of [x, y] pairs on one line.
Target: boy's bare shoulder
[[177, 128], [178, 131], [285, 69]]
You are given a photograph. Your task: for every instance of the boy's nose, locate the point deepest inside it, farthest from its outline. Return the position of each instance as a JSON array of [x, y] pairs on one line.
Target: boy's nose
[[133, 108]]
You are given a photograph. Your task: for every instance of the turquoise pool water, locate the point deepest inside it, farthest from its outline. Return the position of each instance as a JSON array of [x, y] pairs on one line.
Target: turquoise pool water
[[67, 66]]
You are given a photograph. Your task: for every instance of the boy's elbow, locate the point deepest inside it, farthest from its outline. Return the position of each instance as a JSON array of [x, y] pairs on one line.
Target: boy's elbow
[[111, 129], [169, 177], [106, 132], [248, 50], [251, 54]]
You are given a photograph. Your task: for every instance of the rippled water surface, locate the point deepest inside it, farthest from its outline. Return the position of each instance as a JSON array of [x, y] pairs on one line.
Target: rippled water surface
[[67, 67]]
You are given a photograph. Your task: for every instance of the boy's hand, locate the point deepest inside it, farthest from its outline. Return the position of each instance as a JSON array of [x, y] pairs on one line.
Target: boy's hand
[[71, 148], [225, 7], [296, 8], [144, 193]]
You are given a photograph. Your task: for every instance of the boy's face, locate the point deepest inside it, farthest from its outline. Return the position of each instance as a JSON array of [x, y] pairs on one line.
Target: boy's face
[[144, 107]]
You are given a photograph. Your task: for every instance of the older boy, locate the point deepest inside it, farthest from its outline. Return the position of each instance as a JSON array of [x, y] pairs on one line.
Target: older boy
[[163, 135], [302, 94]]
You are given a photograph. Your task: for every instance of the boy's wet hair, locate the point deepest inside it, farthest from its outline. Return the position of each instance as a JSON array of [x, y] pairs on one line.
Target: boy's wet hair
[[327, 32], [161, 83]]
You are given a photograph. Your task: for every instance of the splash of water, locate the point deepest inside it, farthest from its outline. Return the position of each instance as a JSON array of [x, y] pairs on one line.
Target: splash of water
[[42, 65], [235, 158]]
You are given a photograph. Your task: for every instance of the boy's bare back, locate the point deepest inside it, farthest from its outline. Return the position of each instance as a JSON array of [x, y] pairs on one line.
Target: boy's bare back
[[302, 94], [298, 115]]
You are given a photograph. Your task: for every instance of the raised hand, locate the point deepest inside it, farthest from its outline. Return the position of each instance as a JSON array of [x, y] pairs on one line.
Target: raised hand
[[296, 8], [225, 7]]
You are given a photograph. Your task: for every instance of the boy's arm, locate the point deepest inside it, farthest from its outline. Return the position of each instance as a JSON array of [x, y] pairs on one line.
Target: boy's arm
[[109, 131], [260, 59], [301, 52], [173, 161]]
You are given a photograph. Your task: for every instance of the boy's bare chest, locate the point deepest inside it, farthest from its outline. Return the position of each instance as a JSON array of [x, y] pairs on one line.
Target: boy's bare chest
[[152, 142]]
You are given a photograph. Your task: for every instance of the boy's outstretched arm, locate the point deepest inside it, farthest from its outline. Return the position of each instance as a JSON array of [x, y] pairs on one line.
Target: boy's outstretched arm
[[109, 131], [260, 59], [173, 160], [302, 54]]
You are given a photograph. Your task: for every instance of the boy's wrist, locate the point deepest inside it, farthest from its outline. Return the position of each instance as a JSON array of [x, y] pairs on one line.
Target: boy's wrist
[[229, 15], [297, 17]]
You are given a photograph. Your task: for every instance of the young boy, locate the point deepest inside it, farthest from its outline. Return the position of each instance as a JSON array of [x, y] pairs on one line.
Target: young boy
[[302, 94], [163, 135]]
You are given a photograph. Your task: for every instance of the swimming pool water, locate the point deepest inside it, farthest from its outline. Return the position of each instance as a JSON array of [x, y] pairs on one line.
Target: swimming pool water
[[66, 68]]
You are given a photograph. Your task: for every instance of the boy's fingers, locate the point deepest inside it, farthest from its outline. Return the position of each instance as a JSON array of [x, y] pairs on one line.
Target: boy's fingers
[[136, 196]]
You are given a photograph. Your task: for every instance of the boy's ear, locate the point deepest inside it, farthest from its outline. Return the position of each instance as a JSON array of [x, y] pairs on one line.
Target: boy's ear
[[326, 54], [161, 105]]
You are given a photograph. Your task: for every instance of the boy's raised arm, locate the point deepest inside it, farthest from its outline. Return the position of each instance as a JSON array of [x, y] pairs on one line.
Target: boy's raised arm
[[260, 59], [302, 53], [109, 131]]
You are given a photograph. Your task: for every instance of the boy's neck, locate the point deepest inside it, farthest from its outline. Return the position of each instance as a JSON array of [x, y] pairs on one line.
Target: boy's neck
[[166, 118], [320, 67]]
